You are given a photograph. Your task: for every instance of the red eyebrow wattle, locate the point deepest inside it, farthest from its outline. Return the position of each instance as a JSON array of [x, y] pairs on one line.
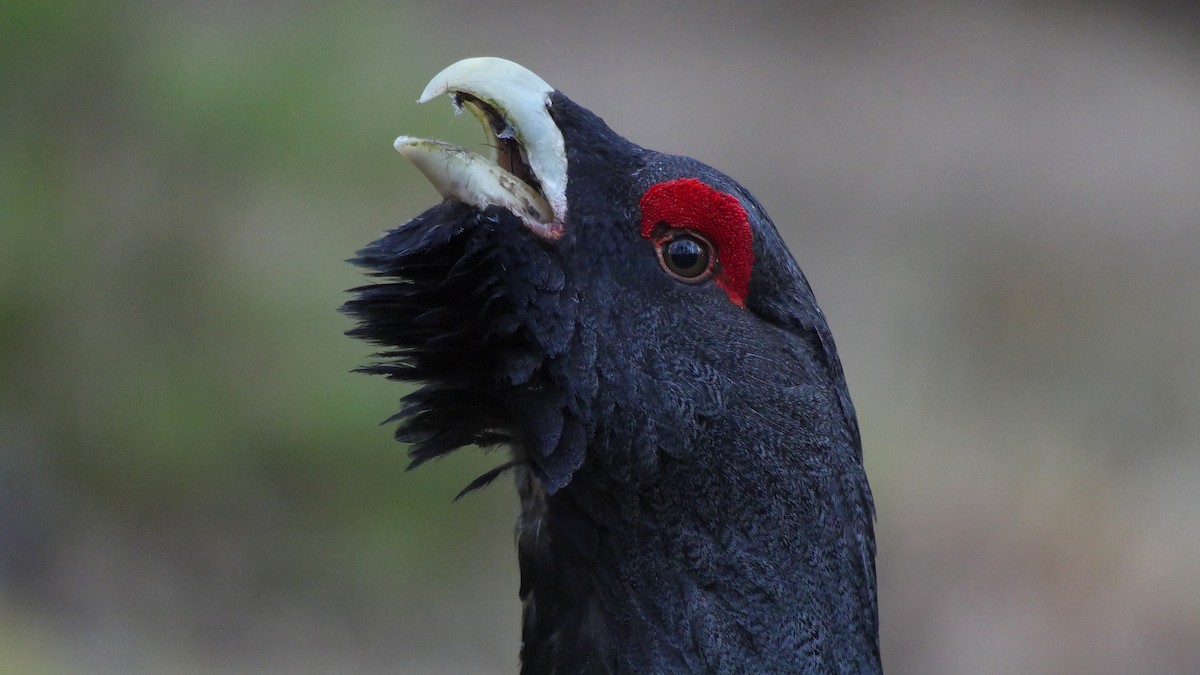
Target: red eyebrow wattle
[[690, 204]]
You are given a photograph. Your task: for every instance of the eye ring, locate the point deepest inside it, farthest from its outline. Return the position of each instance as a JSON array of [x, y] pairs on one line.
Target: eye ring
[[686, 256]]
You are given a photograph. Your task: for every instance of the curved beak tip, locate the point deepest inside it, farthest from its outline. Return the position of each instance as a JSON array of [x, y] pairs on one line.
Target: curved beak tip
[[521, 100]]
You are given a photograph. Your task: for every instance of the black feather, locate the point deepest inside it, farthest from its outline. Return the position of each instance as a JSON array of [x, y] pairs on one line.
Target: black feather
[[690, 470]]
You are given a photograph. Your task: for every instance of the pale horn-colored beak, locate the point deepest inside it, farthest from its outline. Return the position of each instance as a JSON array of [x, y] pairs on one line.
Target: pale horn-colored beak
[[526, 170]]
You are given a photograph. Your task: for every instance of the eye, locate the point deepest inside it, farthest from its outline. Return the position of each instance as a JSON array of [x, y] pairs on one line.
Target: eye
[[686, 257]]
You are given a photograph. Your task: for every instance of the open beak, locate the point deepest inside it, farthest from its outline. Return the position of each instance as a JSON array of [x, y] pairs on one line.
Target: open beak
[[526, 169]]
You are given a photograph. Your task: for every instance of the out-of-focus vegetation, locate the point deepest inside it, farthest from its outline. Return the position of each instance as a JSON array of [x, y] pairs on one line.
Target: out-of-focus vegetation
[[997, 206], [188, 463]]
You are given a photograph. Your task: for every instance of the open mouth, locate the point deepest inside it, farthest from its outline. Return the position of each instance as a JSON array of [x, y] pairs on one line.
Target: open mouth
[[510, 155], [526, 171]]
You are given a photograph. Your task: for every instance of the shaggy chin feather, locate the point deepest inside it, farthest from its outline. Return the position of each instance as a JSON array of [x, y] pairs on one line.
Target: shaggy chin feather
[[488, 349]]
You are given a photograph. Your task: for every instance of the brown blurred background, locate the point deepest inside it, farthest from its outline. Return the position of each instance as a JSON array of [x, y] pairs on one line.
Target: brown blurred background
[[996, 202]]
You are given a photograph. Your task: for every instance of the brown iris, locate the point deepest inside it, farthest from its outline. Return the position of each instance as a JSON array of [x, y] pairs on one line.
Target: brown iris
[[686, 256]]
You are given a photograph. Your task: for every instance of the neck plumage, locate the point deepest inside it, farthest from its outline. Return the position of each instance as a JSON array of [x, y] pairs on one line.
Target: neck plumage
[[616, 581]]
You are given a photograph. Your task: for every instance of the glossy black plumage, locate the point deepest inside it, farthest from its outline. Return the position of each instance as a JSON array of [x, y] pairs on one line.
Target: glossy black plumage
[[693, 498]]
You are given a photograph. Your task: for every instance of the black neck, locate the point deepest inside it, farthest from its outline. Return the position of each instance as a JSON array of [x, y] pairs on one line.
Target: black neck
[[614, 580]]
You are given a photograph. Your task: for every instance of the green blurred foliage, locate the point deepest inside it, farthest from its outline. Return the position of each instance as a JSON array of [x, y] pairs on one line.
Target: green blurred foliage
[[178, 188]]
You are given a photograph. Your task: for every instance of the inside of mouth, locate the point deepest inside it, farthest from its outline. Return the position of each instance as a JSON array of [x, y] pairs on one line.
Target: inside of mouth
[[509, 153]]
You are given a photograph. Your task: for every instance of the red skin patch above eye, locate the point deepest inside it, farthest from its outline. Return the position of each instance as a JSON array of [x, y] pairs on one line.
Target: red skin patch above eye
[[689, 204]]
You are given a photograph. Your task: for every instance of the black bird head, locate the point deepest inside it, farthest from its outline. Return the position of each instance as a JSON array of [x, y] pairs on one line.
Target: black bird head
[[631, 325]]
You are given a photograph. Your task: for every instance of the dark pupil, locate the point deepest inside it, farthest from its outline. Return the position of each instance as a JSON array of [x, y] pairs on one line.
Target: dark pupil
[[687, 257]]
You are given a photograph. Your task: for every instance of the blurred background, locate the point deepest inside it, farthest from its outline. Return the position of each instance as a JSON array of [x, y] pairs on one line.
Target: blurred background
[[997, 203]]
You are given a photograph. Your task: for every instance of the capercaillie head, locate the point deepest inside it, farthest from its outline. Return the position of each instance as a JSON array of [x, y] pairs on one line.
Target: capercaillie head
[[632, 328]]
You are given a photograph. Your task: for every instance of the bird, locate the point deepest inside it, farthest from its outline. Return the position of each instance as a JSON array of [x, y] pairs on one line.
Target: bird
[[631, 329]]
